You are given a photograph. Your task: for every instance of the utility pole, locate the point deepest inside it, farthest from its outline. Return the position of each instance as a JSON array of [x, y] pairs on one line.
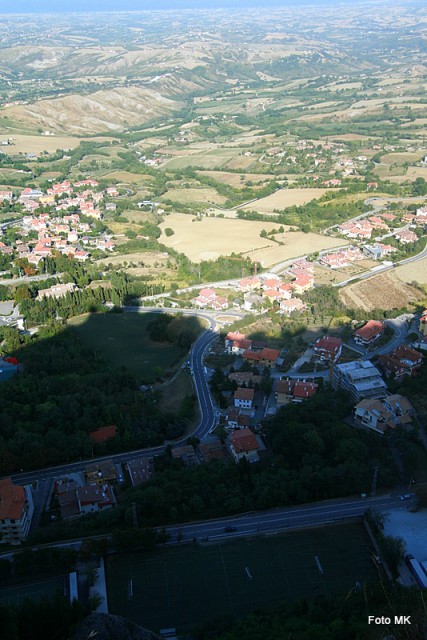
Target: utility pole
[[374, 482], [134, 516]]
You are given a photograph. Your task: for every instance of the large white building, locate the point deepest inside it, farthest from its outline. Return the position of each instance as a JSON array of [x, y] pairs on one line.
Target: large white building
[[360, 378]]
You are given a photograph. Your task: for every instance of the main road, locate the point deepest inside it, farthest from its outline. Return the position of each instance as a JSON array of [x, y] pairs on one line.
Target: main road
[[282, 519], [205, 424]]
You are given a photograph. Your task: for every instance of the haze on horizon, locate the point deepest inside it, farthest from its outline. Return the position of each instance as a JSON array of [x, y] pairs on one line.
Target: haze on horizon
[[82, 6]]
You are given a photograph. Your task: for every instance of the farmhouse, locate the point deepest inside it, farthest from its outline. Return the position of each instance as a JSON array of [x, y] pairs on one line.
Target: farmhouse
[[370, 332]]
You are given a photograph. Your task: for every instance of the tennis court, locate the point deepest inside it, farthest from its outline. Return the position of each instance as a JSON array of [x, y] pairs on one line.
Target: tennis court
[[34, 590], [182, 586]]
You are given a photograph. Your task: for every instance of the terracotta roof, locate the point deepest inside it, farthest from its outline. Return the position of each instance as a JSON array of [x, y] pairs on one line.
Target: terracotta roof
[[12, 500], [305, 389], [371, 329], [103, 434], [244, 394], [270, 354], [244, 440], [252, 355], [328, 343]]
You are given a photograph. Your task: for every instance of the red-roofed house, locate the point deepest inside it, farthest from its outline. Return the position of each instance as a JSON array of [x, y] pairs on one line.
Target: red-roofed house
[[16, 511], [269, 357], [252, 356], [327, 349], [245, 444], [304, 390], [249, 284], [370, 332], [238, 347], [103, 434], [243, 398], [303, 283]]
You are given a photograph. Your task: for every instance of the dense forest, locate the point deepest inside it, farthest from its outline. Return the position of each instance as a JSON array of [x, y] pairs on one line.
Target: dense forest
[[63, 392]]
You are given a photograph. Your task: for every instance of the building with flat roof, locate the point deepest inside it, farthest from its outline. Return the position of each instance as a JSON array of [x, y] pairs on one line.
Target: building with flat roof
[[360, 378]]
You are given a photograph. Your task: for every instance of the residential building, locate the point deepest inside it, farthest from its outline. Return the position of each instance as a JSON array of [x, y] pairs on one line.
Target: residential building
[[16, 511], [185, 453], [371, 413], [371, 331], [422, 327], [304, 390], [289, 390], [101, 472], [211, 448], [269, 357], [327, 349], [400, 408], [245, 444], [94, 498], [246, 378], [140, 470], [405, 236], [243, 398], [360, 378], [238, 347], [284, 392], [58, 290], [400, 362], [289, 306]]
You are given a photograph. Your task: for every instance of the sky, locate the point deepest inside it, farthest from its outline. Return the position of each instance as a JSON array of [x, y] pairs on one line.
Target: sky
[[68, 6]]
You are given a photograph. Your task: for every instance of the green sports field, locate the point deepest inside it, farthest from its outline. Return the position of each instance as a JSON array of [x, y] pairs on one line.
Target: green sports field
[[34, 590], [182, 586]]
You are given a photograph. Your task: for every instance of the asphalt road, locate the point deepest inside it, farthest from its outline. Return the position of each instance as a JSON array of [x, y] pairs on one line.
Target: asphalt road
[[205, 424], [279, 520]]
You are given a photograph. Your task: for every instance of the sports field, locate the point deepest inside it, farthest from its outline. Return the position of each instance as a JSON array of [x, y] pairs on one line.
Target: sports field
[[34, 591], [187, 585]]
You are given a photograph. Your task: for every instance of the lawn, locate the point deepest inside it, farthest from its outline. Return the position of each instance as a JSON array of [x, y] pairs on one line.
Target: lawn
[[187, 585], [123, 341], [33, 591]]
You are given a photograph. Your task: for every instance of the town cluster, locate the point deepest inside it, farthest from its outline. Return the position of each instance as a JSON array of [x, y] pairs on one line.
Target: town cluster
[[70, 234]]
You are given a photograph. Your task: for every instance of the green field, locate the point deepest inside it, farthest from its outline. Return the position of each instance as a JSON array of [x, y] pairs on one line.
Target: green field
[[187, 585], [33, 591], [123, 341]]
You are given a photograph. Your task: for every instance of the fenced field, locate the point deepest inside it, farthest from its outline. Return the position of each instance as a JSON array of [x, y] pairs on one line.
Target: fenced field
[[33, 591], [186, 585]]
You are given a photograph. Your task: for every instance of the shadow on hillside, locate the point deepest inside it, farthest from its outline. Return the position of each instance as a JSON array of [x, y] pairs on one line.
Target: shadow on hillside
[[72, 383]]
